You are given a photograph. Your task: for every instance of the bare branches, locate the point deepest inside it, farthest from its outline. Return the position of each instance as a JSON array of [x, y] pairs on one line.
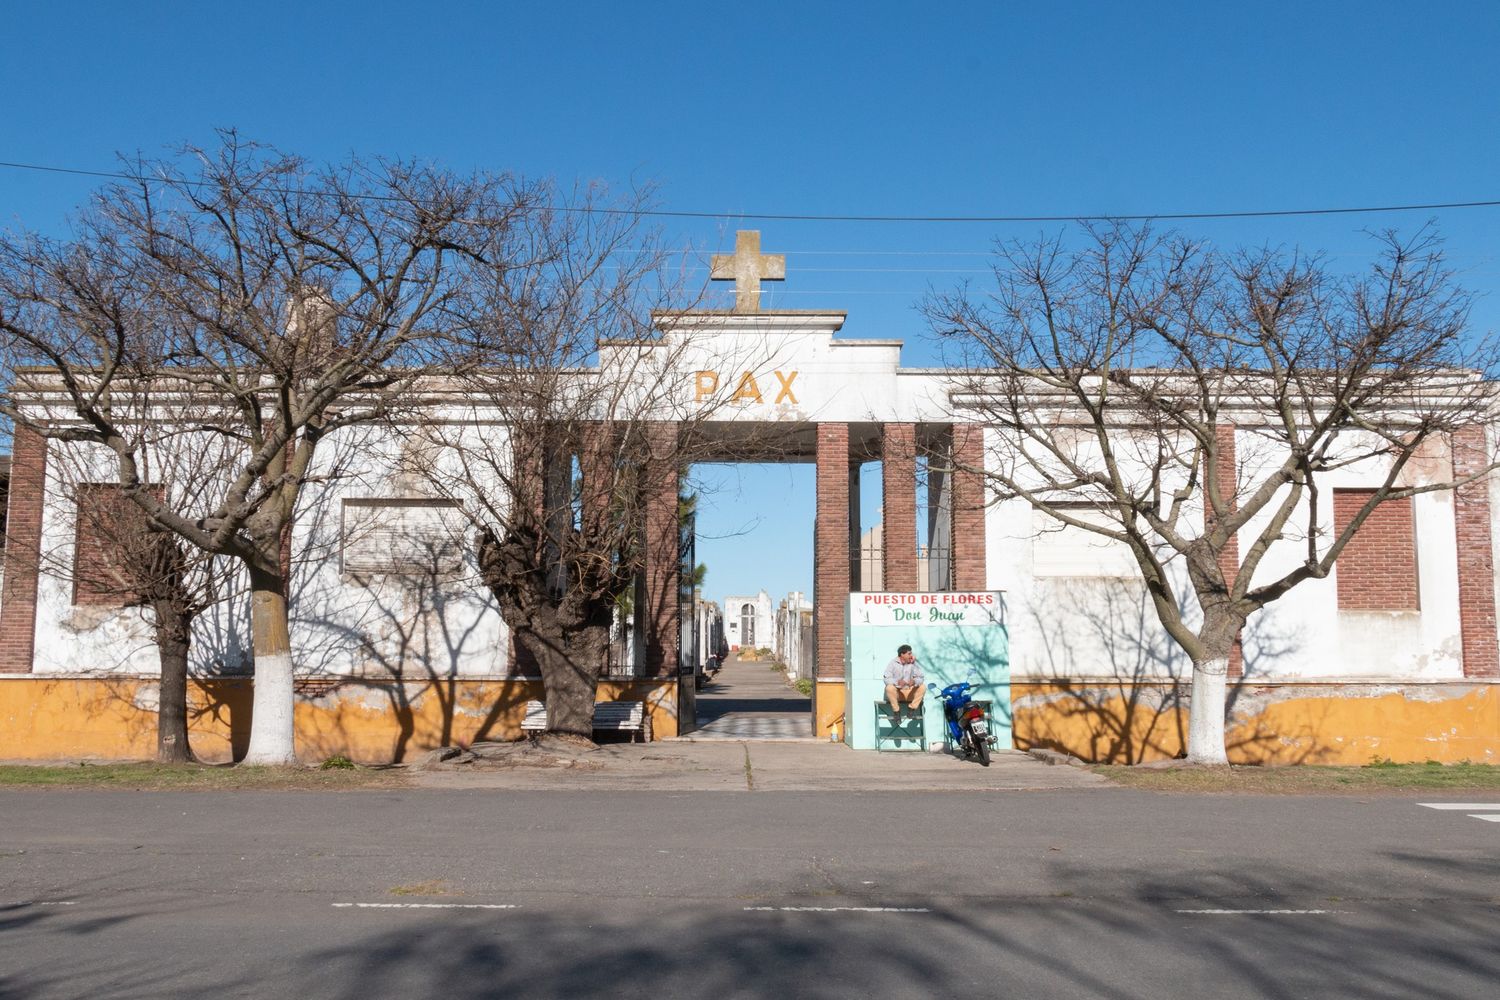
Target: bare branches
[[1112, 365]]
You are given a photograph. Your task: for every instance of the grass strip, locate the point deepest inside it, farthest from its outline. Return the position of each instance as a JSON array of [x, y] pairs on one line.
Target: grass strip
[[200, 777], [1308, 779]]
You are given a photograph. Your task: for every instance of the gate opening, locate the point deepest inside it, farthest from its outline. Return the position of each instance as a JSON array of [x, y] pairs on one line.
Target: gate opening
[[747, 622]]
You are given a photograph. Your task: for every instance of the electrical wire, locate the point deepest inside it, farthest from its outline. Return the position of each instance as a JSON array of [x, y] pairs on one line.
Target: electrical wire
[[798, 217]]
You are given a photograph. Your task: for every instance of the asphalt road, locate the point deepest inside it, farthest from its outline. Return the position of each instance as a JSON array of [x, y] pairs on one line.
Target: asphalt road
[[483, 893]]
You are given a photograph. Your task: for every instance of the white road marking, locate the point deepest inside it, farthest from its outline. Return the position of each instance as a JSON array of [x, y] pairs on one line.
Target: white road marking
[[1490, 813], [1219, 913], [837, 909], [429, 906], [1462, 806], [46, 902]]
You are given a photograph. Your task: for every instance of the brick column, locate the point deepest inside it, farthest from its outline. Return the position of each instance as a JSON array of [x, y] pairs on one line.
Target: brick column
[[1227, 474], [968, 508], [899, 505], [23, 549], [831, 549], [661, 570], [1476, 559], [596, 470]]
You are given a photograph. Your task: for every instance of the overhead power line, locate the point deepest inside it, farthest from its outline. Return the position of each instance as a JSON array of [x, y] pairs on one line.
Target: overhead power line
[[797, 217]]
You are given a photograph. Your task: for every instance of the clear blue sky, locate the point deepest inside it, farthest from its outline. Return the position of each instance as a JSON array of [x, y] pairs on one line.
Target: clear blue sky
[[859, 108]]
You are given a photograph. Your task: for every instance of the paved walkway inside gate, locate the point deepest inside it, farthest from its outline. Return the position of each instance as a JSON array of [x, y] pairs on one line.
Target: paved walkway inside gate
[[750, 701]]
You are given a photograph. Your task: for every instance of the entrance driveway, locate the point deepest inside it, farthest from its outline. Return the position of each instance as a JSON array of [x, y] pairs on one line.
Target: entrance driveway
[[750, 701]]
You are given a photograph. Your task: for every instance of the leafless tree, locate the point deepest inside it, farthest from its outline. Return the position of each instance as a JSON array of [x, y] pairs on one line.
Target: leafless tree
[[122, 562], [1114, 371], [261, 302], [583, 423]]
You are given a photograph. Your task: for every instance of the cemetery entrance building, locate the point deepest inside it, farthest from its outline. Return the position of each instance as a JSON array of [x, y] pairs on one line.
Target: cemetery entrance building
[[1395, 655]]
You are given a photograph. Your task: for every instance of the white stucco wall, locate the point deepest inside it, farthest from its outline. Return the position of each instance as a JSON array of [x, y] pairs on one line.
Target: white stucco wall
[[1089, 625], [409, 626], [1099, 625]]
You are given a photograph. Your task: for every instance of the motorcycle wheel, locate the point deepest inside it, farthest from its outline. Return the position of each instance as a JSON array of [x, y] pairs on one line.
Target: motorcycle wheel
[[981, 747]]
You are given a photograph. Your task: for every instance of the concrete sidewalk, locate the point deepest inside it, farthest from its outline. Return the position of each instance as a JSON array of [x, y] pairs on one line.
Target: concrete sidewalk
[[672, 765]]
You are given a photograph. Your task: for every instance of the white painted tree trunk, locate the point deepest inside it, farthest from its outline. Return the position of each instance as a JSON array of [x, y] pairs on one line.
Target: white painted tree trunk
[[272, 740], [1206, 712], [271, 719]]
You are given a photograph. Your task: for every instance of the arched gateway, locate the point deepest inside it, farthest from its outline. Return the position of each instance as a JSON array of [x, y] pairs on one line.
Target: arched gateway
[[780, 385]]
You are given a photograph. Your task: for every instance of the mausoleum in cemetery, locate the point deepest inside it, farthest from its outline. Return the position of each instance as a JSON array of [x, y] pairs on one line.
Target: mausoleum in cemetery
[[1393, 655]]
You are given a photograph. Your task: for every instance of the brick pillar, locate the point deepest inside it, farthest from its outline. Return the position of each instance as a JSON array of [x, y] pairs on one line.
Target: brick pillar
[[23, 550], [1476, 559], [1229, 559], [968, 508], [596, 470], [899, 503], [661, 570], [831, 549]]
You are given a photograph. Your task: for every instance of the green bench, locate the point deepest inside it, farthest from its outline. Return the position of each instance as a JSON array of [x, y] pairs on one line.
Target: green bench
[[889, 730]]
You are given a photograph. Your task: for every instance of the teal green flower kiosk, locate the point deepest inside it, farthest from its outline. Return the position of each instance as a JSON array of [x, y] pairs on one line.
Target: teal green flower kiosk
[[956, 635]]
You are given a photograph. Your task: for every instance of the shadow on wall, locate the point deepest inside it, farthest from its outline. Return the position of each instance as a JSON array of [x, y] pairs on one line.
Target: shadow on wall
[[111, 710], [970, 647], [414, 632], [1134, 705]]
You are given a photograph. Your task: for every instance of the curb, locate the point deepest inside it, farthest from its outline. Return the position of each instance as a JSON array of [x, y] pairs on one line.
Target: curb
[[1054, 757]]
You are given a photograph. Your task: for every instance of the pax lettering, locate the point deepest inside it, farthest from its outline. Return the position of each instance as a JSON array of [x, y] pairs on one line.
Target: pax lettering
[[747, 388]]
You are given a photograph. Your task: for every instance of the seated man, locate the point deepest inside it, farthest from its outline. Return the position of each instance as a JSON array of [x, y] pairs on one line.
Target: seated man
[[904, 683]]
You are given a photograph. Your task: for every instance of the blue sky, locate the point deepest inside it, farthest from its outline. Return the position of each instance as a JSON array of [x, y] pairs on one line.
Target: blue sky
[[868, 108]]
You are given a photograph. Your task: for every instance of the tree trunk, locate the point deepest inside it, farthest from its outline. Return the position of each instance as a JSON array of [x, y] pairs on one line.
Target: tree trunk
[[271, 741], [173, 636], [1206, 711], [570, 663]]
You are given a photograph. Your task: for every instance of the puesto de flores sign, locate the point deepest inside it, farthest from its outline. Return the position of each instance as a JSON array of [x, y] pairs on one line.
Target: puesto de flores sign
[[956, 636], [962, 607]]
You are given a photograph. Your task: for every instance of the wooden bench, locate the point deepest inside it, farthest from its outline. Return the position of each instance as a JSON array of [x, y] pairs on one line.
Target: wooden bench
[[609, 716]]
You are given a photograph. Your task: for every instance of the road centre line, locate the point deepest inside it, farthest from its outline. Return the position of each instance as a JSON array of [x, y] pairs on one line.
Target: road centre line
[[429, 906], [1462, 806], [837, 909], [1487, 817], [46, 902], [1275, 913]]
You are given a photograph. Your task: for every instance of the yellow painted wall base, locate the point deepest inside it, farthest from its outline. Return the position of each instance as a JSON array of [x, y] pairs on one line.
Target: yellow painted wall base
[[371, 721], [61, 718], [828, 706], [1348, 724]]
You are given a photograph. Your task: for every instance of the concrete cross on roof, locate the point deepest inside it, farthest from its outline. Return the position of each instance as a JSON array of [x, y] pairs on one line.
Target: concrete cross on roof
[[748, 267]]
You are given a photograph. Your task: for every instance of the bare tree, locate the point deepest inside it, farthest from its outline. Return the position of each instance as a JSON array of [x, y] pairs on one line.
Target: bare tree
[[1116, 374], [122, 560], [584, 421], [261, 302]]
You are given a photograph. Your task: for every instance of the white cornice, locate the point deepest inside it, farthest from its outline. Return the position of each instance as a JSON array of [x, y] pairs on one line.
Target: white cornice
[[726, 321]]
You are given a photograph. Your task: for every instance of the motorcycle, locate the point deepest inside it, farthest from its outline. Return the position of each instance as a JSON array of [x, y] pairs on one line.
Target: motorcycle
[[968, 729]]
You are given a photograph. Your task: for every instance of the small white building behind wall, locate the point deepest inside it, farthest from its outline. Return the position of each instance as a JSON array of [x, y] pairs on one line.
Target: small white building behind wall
[[794, 634], [749, 622], [1392, 655]]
